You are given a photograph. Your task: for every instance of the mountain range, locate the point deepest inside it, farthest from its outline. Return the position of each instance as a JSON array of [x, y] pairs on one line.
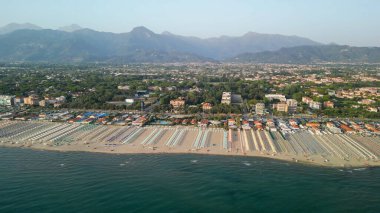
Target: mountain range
[[15, 26], [71, 44], [313, 54]]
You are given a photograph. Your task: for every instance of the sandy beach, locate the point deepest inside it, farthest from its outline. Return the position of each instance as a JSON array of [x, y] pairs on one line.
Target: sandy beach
[[332, 150]]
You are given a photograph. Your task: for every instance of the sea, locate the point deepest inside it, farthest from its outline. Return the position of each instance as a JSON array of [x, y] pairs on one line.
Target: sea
[[48, 181]]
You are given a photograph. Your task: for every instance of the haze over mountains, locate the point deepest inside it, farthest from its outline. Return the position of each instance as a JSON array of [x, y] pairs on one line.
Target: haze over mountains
[[313, 54], [70, 28], [30, 43], [14, 26]]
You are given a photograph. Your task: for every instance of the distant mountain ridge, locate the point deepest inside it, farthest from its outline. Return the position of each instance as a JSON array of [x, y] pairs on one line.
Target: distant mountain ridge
[[76, 44], [9, 28], [227, 46], [313, 54], [73, 44], [70, 28], [86, 46]]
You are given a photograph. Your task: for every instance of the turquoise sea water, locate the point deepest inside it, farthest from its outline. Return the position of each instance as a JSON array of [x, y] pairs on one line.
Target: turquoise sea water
[[42, 181]]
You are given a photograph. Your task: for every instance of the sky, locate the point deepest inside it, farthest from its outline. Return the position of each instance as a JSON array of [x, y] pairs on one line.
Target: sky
[[351, 22]]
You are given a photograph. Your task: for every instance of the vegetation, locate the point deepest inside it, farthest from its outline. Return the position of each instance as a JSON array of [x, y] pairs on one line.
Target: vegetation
[[91, 86]]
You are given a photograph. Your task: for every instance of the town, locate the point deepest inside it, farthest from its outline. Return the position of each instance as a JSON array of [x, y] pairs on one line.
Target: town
[[207, 90], [322, 114]]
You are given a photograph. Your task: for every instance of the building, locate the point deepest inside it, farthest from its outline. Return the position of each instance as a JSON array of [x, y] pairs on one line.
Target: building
[[140, 121], [171, 88], [177, 103], [372, 109], [371, 127], [306, 100], [292, 102], [332, 128], [18, 100], [312, 104], [272, 97], [126, 88], [31, 100], [372, 90], [155, 88], [292, 105], [294, 124], [347, 129], [226, 98], [129, 100], [367, 102], [245, 124], [43, 103], [331, 92], [258, 124], [231, 122], [203, 123], [281, 107], [6, 100], [142, 93], [206, 106], [315, 105], [314, 125], [356, 127], [57, 104], [328, 104], [61, 99], [271, 126], [260, 108]]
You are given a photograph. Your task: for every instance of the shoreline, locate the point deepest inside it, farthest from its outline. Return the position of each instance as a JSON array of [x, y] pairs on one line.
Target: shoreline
[[284, 159], [328, 150]]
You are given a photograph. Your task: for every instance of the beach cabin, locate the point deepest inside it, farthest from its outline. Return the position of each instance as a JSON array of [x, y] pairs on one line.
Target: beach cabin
[[258, 125], [347, 129]]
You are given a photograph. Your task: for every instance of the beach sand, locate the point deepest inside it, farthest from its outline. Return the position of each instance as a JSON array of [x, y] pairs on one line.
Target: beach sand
[[329, 150]]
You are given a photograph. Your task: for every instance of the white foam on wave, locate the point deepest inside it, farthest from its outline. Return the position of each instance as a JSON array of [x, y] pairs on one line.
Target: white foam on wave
[[360, 169], [247, 164]]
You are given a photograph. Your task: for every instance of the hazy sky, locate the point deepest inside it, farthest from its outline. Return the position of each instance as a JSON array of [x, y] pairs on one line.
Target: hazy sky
[[353, 22]]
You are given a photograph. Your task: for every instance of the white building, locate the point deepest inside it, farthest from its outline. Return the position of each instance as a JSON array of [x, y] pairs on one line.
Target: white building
[[272, 97], [315, 105], [6, 100], [226, 98], [129, 100], [123, 88], [260, 108]]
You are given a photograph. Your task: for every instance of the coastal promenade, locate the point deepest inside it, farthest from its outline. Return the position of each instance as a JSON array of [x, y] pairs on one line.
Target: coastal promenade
[[326, 149]]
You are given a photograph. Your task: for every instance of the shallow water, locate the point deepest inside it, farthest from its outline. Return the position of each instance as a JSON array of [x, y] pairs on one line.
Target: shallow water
[[44, 181]]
